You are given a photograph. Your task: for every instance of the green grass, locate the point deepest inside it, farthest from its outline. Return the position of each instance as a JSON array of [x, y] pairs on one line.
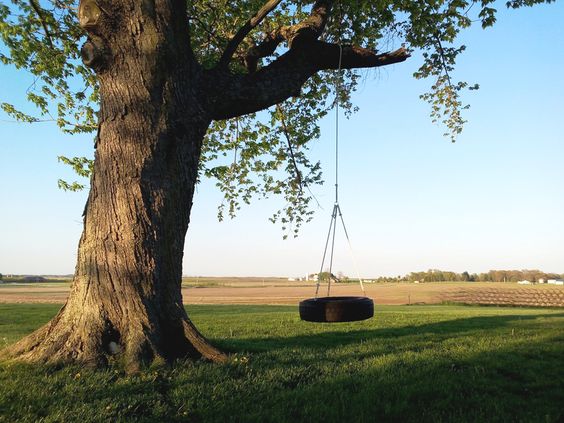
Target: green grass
[[408, 364]]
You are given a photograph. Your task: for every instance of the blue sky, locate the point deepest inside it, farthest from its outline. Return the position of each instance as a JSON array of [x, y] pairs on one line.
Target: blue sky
[[411, 199]]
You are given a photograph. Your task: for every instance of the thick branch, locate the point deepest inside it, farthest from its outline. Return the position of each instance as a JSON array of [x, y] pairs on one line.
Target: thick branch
[[355, 57], [235, 95], [244, 31], [228, 95], [309, 29], [313, 26], [264, 49]]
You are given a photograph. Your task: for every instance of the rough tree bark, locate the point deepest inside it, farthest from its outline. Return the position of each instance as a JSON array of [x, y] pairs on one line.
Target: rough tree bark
[[156, 105], [126, 296]]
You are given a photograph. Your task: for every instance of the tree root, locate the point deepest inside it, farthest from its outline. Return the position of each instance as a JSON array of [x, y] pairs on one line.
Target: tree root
[[99, 342]]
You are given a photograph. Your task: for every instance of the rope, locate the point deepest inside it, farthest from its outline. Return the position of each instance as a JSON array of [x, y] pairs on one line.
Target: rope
[[236, 141], [324, 253], [334, 217], [336, 208], [337, 102], [360, 281], [333, 224]]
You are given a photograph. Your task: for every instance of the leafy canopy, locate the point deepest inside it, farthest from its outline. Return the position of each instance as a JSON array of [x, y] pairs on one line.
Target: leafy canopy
[[263, 153]]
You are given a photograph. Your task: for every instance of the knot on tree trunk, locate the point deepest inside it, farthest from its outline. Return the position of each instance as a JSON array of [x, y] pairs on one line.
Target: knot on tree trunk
[[94, 53]]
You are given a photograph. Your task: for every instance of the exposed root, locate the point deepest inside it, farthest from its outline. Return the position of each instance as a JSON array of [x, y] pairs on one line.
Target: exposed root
[[60, 341], [97, 341], [202, 345]]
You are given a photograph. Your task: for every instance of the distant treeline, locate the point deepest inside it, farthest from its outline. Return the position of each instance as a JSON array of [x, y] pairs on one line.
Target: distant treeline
[[434, 275]]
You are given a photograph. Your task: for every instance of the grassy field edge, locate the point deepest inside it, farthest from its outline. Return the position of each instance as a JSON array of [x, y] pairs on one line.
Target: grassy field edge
[[410, 363]]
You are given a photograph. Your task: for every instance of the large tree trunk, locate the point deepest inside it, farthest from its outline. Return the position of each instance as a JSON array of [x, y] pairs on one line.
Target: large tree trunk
[[125, 300]]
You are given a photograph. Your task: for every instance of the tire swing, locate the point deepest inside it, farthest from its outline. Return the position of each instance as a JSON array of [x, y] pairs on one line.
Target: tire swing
[[336, 309]]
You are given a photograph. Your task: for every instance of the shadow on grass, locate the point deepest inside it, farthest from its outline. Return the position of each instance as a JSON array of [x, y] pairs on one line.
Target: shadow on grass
[[516, 383], [473, 369], [459, 370], [348, 335]]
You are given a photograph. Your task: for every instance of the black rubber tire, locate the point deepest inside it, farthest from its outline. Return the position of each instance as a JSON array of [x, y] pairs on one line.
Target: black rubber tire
[[336, 309]]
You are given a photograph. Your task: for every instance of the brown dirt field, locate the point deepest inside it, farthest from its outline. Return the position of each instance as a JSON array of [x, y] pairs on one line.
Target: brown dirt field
[[281, 291], [538, 296]]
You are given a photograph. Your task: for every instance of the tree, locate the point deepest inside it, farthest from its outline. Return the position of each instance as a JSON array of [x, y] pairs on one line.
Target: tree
[[177, 90], [326, 277]]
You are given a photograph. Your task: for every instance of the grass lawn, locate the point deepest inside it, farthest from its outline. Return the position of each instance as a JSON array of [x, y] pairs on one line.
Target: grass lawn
[[409, 363]]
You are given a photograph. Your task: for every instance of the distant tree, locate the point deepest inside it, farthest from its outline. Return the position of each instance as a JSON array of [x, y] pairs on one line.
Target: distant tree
[[325, 276], [465, 276], [514, 275], [435, 275]]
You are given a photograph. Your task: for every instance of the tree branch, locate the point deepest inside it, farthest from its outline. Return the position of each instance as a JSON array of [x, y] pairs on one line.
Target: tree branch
[[235, 95], [289, 140], [354, 57], [313, 26], [227, 95], [268, 7], [39, 12], [264, 49], [309, 29]]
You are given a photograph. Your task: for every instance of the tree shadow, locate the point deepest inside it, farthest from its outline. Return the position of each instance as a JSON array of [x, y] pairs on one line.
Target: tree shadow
[[422, 373], [352, 375], [340, 338], [510, 384]]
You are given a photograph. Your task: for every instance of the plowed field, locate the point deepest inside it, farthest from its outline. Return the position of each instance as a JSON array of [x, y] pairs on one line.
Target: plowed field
[[281, 291]]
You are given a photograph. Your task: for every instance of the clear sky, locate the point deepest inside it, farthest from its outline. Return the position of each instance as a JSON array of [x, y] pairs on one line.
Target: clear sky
[[411, 199]]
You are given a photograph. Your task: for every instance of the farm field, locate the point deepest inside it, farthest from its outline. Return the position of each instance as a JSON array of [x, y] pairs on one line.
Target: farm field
[[209, 290], [408, 364]]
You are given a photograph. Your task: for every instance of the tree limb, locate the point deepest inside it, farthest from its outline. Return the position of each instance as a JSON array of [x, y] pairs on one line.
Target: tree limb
[[228, 95], [264, 49], [309, 29], [268, 7], [354, 57], [289, 140], [235, 95], [39, 12], [314, 25]]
